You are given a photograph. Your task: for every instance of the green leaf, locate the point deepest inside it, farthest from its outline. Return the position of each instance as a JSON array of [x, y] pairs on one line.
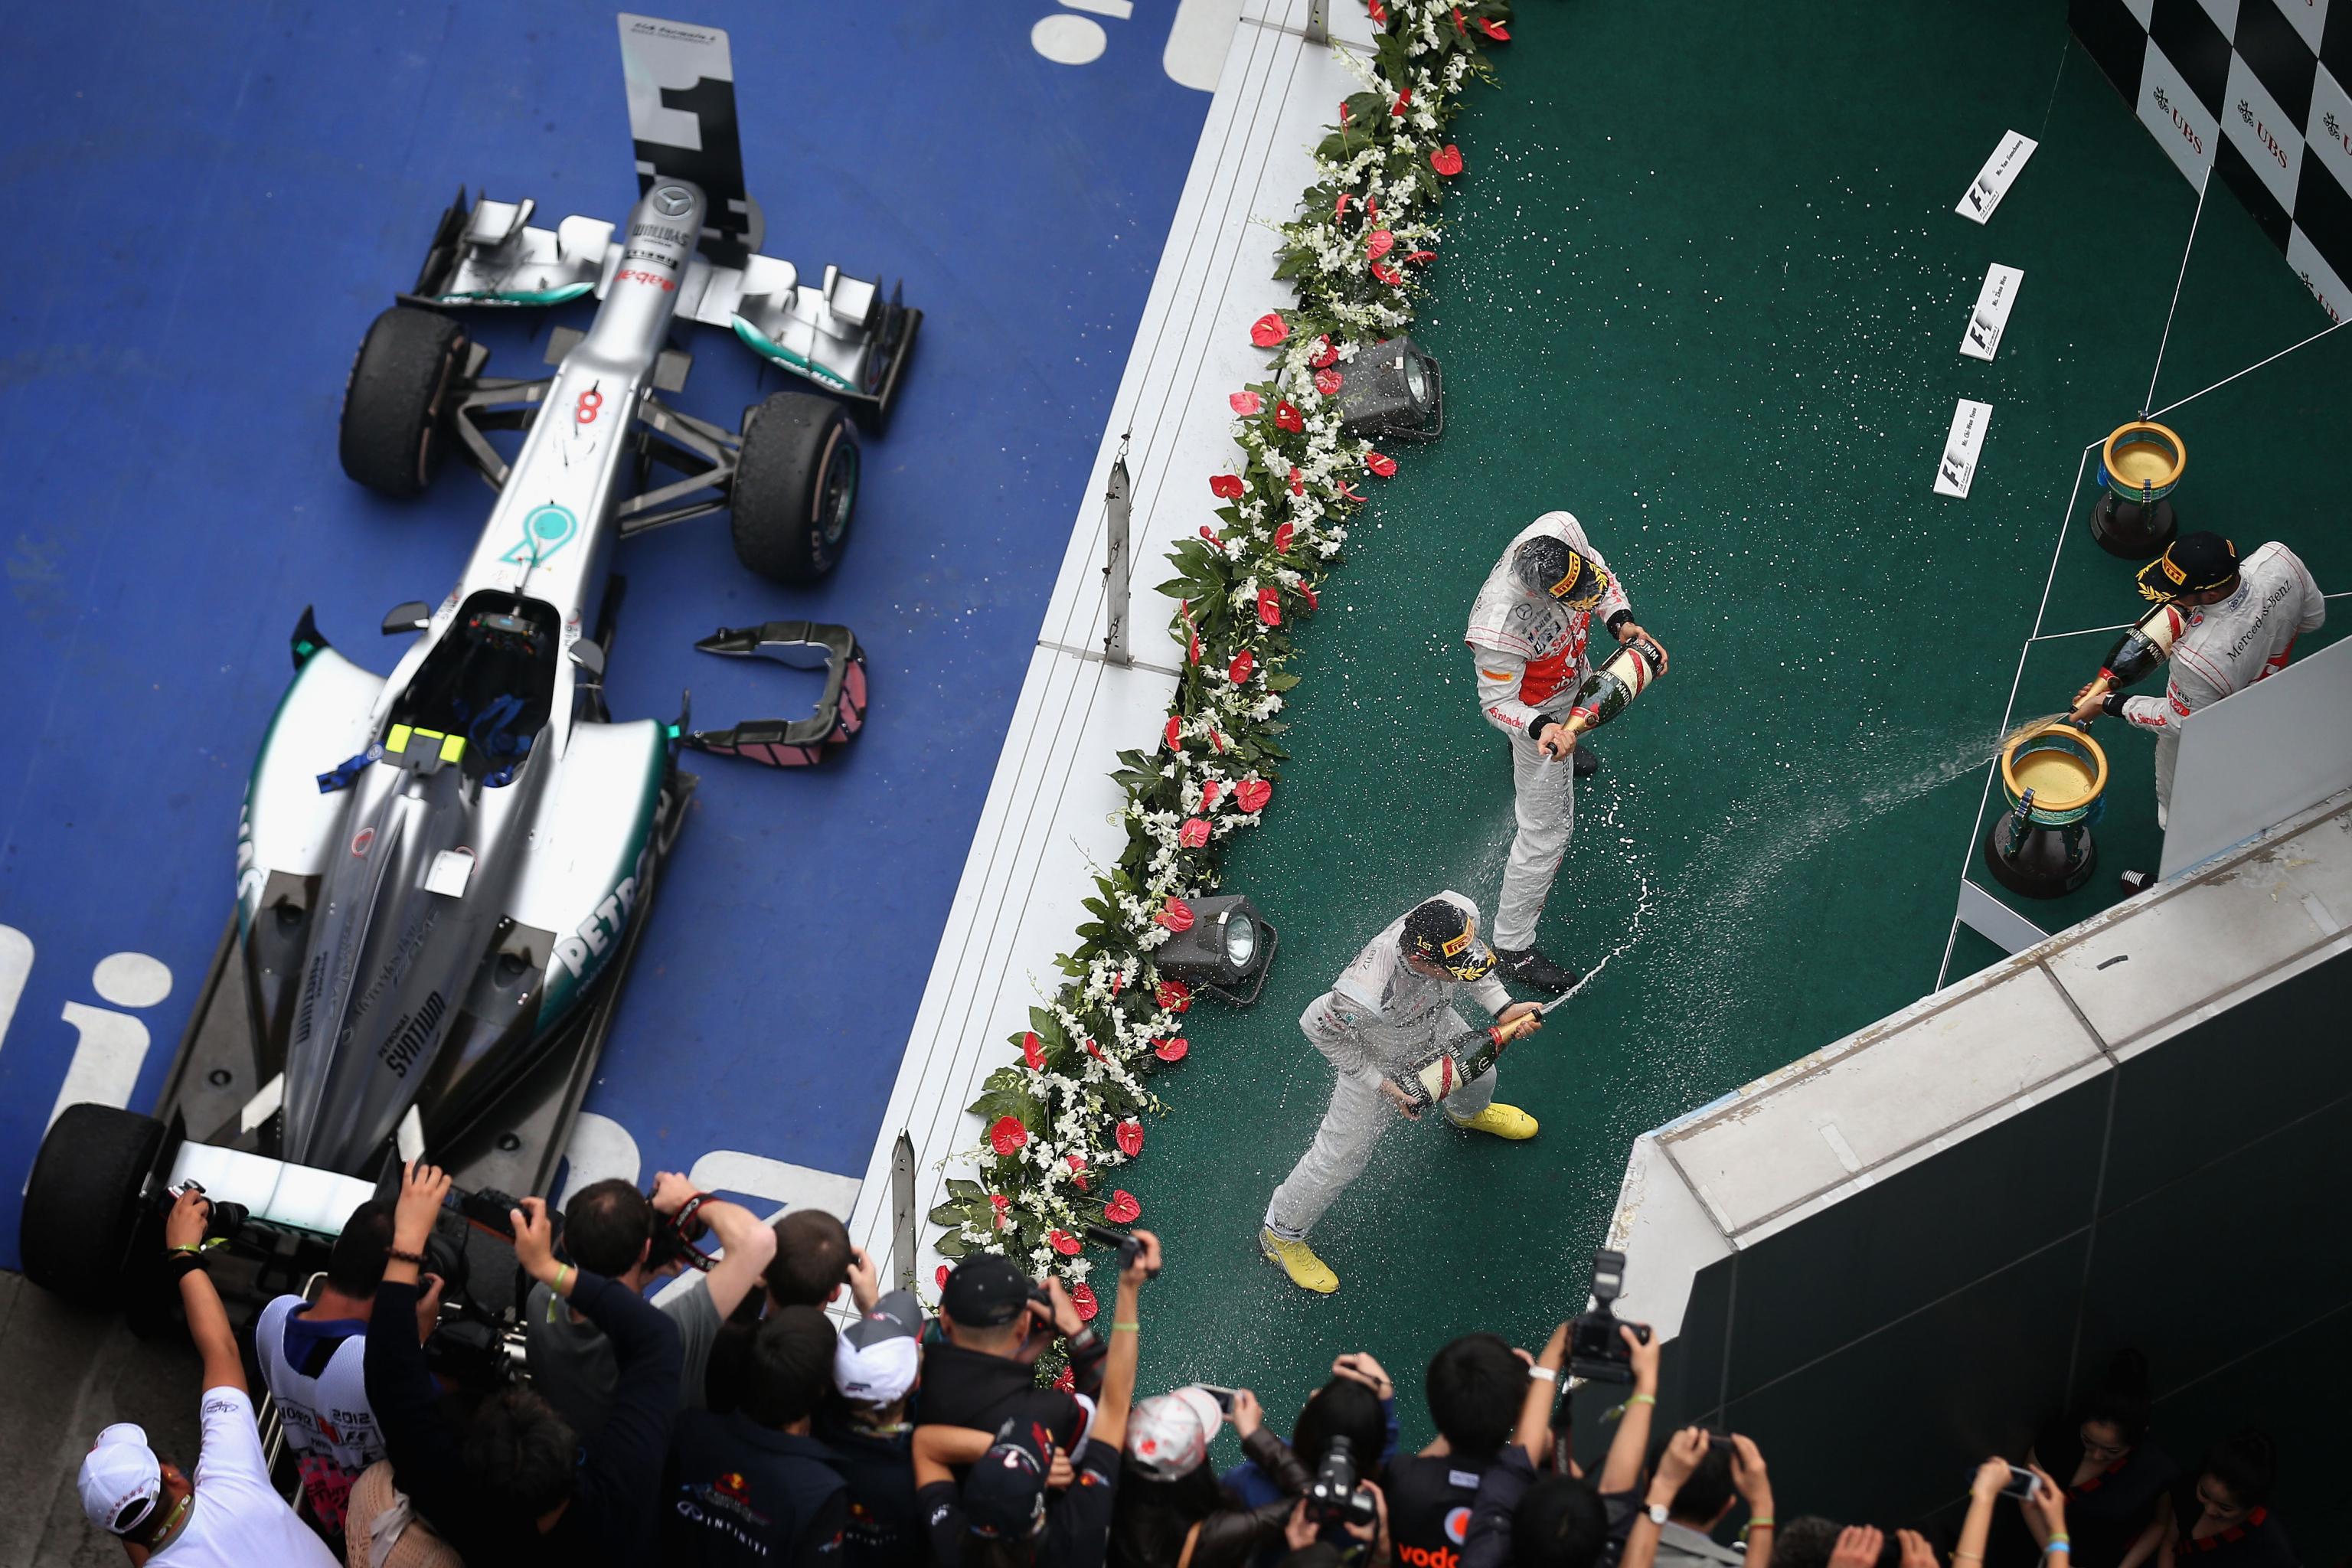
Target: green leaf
[[949, 1246]]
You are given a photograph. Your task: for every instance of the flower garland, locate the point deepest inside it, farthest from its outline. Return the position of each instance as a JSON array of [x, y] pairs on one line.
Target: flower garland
[[1065, 1116]]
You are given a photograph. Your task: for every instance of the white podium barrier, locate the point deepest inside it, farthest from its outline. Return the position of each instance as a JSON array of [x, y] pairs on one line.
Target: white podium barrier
[[2259, 755]]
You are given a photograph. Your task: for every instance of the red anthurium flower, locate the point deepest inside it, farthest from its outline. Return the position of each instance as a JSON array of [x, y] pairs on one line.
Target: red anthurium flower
[[1384, 466], [1210, 535], [1282, 540], [1495, 30], [1326, 382], [1269, 607], [1216, 737], [1404, 98], [1068, 1380], [1331, 352], [1246, 402], [1347, 492], [1268, 330], [1122, 1209], [1093, 1049], [1251, 795], [1172, 1050], [1372, 215], [1008, 1137], [1297, 483], [1340, 210], [941, 1279], [1421, 257], [1286, 418], [1077, 1171], [1447, 160], [1032, 1052], [1129, 1134], [1063, 1242], [1379, 13], [1239, 670], [1174, 733], [1387, 274], [1004, 1206], [1176, 915], [1192, 645], [1174, 996], [1083, 1298], [1209, 792], [1118, 982], [1227, 487], [1458, 28], [1343, 111], [1379, 243], [1312, 602], [1194, 833]]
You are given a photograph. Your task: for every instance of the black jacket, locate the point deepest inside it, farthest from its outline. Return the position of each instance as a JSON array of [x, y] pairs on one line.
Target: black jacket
[[738, 1492], [615, 1486]]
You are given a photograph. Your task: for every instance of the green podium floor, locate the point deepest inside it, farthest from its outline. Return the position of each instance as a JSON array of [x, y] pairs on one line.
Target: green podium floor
[[1706, 290]]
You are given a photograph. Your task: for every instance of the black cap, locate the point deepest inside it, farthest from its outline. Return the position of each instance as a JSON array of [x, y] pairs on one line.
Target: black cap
[[1545, 565], [1441, 933], [1004, 1495], [2192, 564], [985, 1292]]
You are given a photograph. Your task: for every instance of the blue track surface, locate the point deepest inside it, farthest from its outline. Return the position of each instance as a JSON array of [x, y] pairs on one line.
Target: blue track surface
[[213, 202]]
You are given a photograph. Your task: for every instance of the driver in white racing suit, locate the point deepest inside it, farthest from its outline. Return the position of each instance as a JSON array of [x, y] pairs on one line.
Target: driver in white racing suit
[[1527, 632], [2240, 620], [1387, 1015]]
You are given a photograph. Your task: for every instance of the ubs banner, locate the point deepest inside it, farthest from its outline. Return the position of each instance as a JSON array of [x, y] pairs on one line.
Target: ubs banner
[[2254, 91]]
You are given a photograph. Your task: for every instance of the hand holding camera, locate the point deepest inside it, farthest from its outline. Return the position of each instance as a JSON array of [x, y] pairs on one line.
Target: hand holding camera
[[189, 1218], [423, 1189], [1339, 1495], [1684, 1451], [534, 1245]]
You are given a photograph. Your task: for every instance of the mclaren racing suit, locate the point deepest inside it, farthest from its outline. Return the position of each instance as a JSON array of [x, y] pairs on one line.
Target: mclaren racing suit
[[1382, 1018], [1529, 653], [2226, 647]]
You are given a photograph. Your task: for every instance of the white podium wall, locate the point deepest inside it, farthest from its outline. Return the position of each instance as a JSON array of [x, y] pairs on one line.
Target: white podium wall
[[2259, 755]]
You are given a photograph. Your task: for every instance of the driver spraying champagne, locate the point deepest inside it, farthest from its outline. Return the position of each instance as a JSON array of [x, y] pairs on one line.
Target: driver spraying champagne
[[1389, 1027], [1527, 634]]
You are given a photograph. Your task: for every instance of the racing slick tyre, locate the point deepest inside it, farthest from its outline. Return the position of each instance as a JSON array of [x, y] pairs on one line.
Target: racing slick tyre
[[397, 403], [82, 1207], [795, 489]]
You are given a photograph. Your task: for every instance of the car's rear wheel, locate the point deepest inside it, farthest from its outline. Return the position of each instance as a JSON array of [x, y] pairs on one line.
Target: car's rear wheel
[[82, 1207], [396, 405], [796, 493]]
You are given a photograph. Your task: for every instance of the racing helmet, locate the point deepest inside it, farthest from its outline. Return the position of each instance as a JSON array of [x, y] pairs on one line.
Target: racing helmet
[[1552, 566]]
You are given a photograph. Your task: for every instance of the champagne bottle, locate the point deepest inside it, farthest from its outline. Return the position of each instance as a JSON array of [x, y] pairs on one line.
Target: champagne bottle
[[1606, 691], [2146, 645], [1453, 1065]]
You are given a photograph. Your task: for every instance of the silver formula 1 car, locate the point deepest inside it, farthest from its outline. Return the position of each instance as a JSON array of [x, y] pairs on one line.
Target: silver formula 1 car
[[441, 872]]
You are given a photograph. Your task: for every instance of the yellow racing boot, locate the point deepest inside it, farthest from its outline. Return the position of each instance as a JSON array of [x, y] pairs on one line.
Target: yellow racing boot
[[1502, 1120], [1297, 1260]]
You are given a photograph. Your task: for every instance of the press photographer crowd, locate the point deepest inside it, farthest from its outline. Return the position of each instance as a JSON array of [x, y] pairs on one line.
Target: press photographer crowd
[[772, 1403]]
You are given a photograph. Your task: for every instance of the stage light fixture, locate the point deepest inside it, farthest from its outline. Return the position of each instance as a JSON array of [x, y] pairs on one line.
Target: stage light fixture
[[1391, 390], [1230, 945]]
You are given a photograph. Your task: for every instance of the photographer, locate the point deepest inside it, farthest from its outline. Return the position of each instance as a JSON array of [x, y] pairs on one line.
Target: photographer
[[515, 1486], [2115, 1477], [1001, 1518], [1561, 1521], [996, 1324], [2044, 1507], [1345, 1437], [1475, 1386], [1171, 1507], [150, 1505], [876, 1367], [1697, 1478], [753, 1486], [312, 1356], [613, 1229]]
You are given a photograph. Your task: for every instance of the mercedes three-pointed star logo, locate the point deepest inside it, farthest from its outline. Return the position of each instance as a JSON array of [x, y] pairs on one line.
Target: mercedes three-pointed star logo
[[672, 201]]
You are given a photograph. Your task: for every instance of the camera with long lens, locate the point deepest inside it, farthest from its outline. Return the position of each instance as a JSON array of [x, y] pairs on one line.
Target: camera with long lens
[[223, 1220], [1595, 1350], [1337, 1495]]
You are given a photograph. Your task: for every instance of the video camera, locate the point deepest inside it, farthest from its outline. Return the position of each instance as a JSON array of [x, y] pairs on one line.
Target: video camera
[[1337, 1495], [1595, 1350], [1126, 1246]]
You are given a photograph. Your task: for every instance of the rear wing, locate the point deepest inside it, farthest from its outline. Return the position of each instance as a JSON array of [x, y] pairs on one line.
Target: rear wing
[[840, 332]]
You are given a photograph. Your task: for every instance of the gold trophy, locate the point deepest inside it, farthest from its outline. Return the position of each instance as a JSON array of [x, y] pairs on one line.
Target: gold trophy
[[2139, 465], [2054, 778]]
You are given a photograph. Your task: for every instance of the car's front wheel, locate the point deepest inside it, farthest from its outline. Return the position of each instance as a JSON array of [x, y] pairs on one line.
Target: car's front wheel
[[795, 491], [396, 405], [83, 1205]]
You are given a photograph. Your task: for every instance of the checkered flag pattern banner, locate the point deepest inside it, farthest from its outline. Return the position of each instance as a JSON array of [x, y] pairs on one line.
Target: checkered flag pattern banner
[[2256, 91]]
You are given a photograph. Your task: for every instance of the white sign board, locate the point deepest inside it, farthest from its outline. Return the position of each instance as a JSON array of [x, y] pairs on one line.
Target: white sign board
[[1992, 181], [1957, 467], [1990, 316], [2259, 755]]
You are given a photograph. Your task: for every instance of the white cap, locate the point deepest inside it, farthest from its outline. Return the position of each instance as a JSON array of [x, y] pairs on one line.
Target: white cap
[[876, 1357], [120, 1478], [1169, 1434]]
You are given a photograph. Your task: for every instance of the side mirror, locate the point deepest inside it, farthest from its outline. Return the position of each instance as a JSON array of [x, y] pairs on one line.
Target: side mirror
[[589, 656], [412, 617]]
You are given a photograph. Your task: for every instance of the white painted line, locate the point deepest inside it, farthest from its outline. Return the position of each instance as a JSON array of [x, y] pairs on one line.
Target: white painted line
[[1841, 1148], [2164, 342], [2248, 371], [1992, 181], [1956, 468], [1989, 318], [1118, 10]]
